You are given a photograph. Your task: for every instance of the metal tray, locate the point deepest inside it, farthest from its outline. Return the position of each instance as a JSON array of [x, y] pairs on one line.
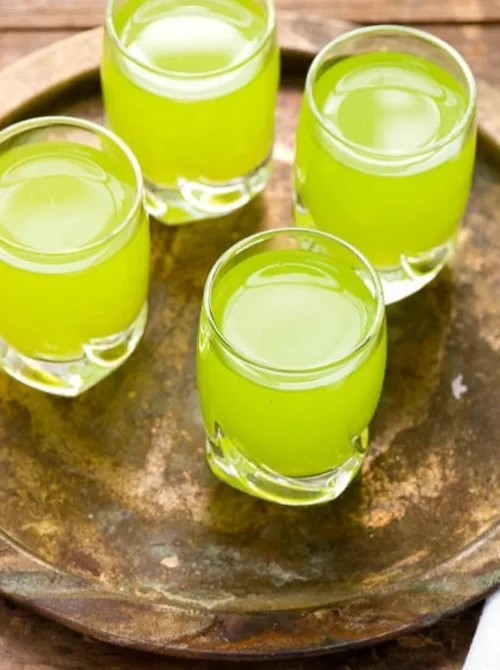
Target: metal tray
[[110, 520]]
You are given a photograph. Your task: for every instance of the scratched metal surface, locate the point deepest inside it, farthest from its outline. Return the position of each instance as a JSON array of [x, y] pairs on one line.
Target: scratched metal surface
[[112, 523]]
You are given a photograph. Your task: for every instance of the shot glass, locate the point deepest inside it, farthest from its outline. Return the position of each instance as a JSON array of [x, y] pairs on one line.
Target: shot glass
[[192, 89], [74, 254], [385, 150], [291, 361]]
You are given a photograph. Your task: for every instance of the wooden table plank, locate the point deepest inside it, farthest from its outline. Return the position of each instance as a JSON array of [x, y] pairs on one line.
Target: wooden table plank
[[400, 11], [89, 13]]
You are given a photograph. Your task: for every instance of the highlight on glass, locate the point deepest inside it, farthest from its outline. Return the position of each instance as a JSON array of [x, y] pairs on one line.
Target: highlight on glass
[[74, 254], [385, 150], [192, 89], [291, 361]]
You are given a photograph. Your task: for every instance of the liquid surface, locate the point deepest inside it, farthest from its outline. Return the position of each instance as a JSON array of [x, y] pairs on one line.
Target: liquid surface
[[198, 37], [57, 197], [390, 102], [61, 197], [390, 192], [293, 310]]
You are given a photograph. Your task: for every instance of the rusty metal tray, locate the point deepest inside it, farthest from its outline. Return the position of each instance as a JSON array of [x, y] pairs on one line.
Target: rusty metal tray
[[110, 521]]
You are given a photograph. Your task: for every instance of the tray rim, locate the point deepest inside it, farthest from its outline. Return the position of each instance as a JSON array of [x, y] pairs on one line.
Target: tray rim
[[67, 595]]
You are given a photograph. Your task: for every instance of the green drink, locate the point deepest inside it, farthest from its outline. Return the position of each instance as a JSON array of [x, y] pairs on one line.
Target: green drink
[[74, 254], [385, 151], [291, 360], [192, 90]]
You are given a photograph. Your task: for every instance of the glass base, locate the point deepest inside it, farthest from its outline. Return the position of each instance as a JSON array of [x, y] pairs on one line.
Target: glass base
[[231, 467], [71, 378], [194, 201], [415, 272], [412, 274]]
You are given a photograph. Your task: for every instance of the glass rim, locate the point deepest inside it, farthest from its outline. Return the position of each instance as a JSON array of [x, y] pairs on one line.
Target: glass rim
[[394, 29], [22, 127], [263, 236], [181, 76]]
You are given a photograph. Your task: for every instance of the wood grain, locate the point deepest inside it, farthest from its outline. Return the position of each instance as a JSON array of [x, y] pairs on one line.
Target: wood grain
[[89, 13], [399, 11]]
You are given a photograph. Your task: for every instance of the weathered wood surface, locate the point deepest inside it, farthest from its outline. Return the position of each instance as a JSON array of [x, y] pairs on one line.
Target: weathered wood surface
[[28, 642], [88, 13]]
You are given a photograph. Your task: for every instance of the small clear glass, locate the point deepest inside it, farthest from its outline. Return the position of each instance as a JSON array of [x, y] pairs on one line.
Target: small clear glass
[[295, 434], [385, 150], [74, 254], [192, 89]]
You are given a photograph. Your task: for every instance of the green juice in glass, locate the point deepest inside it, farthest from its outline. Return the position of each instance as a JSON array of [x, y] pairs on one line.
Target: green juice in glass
[[274, 398], [62, 289], [192, 90], [388, 164]]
